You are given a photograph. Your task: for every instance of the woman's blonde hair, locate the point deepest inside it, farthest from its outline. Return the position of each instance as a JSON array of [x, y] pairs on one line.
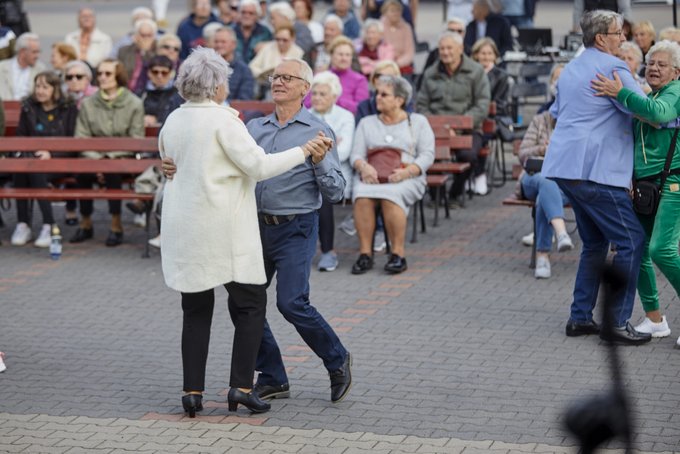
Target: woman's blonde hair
[[481, 42], [341, 40]]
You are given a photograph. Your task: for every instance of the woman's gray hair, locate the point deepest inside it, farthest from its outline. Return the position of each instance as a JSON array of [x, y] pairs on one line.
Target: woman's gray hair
[[201, 74], [369, 23], [284, 9], [401, 87], [305, 73], [330, 79], [80, 65], [210, 29], [630, 47], [335, 19], [24, 39], [598, 22], [670, 47]]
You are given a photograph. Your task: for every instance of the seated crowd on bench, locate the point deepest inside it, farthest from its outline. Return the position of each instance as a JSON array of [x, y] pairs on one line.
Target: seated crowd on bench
[[120, 88]]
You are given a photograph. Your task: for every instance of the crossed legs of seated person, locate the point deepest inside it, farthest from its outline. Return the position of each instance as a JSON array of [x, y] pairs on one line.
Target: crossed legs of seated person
[[85, 229], [549, 220], [662, 233], [247, 306], [396, 221]]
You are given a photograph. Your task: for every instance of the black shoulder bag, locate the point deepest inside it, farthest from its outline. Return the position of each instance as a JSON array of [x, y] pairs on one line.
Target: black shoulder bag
[[646, 193]]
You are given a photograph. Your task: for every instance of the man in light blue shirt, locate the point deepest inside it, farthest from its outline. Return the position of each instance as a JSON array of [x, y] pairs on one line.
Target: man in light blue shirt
[[590, 156], [289, 224]]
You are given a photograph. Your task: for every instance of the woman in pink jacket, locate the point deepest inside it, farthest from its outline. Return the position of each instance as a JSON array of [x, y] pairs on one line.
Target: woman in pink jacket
[[373, 48]]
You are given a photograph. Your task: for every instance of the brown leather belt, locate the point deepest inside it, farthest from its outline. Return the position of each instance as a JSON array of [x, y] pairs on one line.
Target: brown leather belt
[[271, 219]]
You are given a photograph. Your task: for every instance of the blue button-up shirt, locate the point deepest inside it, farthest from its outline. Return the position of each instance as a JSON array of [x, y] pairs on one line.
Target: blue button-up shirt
[[299, 190], [593, 138]]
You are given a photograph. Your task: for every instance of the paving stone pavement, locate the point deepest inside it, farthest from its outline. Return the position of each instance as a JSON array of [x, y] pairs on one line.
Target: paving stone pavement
[[464, 353]]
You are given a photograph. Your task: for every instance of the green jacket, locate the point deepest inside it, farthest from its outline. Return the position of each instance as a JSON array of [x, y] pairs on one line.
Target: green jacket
[[465, 92], [124, 117], [658, 107]]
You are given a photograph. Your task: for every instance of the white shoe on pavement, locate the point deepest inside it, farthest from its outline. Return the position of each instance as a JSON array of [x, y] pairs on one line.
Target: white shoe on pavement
[[155, 242], [660, 329], [2, 362], [347, 226], [528, 240], [22, 234], [379, 243], [564, 243], [45, 237], [542, 270], [139, 220], [480, 187]]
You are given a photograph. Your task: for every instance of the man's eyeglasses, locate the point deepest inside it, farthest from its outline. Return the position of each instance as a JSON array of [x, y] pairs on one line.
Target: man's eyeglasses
[[104, 73], [285, 78], [166, 47], [617, 32], [160, 72], [74, 76]]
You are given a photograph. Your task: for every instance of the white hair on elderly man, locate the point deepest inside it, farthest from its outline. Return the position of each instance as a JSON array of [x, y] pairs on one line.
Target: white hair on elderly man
[[201, 74]]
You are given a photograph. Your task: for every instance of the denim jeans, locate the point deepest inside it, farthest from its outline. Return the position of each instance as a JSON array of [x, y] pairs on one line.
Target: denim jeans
[[604, 215], [550, 203], [288, 252]]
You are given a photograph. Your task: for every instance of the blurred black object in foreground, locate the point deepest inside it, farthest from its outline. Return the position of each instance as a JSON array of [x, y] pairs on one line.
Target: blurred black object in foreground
[[598, 419]]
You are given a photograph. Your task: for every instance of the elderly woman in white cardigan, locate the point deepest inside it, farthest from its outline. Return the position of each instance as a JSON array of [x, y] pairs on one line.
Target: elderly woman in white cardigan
[[210, 233]]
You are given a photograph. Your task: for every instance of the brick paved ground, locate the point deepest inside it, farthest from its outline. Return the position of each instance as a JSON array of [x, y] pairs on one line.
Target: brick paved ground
[[463, 353]]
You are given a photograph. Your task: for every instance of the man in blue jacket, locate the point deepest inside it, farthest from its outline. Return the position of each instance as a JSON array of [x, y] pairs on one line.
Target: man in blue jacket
[[590, 156], [190, 30]]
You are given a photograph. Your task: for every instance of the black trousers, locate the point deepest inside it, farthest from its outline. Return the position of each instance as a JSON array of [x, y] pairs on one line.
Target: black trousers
[[247, 306], [112, 181], [326, 226], [477, 163], [32, 180]]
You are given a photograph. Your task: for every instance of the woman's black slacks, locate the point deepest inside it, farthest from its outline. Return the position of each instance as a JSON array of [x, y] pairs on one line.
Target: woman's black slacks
[[247, 307]]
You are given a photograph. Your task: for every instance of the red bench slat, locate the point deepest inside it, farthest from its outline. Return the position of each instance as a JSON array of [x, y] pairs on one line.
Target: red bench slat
[[70, 165], [71, 194], [78, 144]]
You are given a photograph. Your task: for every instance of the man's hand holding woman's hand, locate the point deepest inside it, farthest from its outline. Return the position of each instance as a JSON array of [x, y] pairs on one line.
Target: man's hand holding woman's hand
[[318, 147]]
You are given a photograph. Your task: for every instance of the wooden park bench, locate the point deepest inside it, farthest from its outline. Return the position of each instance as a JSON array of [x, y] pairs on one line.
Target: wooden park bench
[[76, 165]]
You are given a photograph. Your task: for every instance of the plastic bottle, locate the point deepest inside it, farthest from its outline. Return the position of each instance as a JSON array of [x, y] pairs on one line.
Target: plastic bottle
[[55, 244]]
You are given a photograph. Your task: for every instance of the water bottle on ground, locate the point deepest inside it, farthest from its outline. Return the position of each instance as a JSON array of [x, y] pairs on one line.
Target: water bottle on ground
[[55, 244]]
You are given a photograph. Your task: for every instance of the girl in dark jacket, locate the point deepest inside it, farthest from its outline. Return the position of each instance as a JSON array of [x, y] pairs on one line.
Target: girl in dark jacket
[[45, 113]]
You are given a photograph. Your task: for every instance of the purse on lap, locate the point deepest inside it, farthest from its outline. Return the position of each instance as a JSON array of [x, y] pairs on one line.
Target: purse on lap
[[385, 160]]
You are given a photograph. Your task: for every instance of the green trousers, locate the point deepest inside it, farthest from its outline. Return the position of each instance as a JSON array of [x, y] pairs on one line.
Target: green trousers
[[661, 247]]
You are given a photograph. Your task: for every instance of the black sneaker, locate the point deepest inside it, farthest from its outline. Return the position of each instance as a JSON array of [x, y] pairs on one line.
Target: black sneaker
[[363, 264], [272, 391]]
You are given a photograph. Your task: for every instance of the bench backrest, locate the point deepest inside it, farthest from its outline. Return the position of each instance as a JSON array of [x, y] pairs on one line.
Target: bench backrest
[[442, 125]]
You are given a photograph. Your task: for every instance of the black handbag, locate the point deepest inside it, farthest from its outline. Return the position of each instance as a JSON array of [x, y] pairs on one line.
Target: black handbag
[[646, 193], [533, 165]]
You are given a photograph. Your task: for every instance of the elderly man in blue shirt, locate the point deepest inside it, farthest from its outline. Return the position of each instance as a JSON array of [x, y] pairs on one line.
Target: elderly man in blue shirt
[[289, 223], [590, 156]]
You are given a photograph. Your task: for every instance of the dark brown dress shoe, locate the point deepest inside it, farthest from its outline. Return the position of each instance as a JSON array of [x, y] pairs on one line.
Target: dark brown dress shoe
[[575, 329], [114, 239], [82, 235]]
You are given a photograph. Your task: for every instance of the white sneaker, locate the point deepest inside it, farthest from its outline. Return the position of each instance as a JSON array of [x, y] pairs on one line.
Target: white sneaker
[[2, 362], [139, 220], [564, 243], [542, 270], [678, 342], [22, 234], [347, 226], [45, 237], [379, 243], [528, 240], [480, 187], [660, 329], [155, 242]]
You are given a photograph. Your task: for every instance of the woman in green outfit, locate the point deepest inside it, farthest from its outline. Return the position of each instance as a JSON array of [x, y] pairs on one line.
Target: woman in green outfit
[[652, 143]]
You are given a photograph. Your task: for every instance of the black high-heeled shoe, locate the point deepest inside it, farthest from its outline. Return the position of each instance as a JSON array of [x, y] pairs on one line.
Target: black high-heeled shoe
[[192, 403], [249, 400]]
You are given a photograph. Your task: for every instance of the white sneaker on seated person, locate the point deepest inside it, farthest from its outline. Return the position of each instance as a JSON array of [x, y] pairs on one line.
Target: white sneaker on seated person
[[139, 220], [45, 237], [22, 234], [480, 186], [542, 270], [564, 243], [660, 329]]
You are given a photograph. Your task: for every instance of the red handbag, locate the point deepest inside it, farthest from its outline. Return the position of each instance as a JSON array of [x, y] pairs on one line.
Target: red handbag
[[384, 160]]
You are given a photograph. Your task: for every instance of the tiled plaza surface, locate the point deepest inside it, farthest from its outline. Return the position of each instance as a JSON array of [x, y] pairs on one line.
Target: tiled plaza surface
[[465, 352]]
